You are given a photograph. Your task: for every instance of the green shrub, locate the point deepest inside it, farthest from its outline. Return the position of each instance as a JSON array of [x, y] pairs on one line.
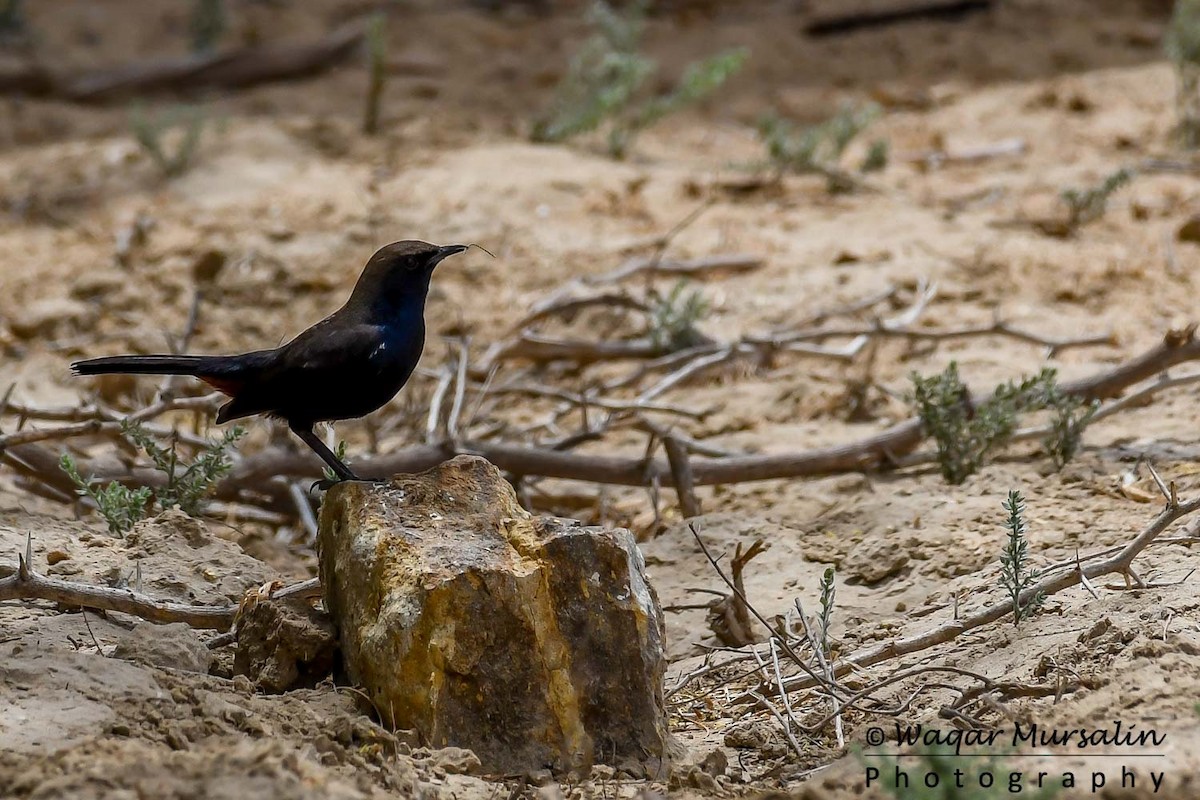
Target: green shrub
[[606, 75]]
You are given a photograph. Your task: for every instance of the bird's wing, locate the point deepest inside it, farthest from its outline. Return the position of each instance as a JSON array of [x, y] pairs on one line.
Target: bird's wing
[[328, 347], [325, 360]]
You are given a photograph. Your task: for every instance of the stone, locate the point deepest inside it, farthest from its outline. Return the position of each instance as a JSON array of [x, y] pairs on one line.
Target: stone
[[1189, 231], [283, 644], [875, 559], [175, 646], [456, 761], [50, 317], [208, 265], [533, 642]]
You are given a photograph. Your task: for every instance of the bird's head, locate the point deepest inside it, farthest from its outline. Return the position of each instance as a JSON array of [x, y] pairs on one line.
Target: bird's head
[[398, 273]]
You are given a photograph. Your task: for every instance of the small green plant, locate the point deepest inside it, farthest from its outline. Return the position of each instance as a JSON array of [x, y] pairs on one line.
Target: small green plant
[[603, 76], [376, 52], [1015, 574], [818, 148], [1089, 204], [876, 158], [186, 487], [152, 132], [699, 80], [1069, 417], [1183, 47], [120, 506], [674, 316], [825, 621], [340, 452], [206, 25], [966, 434], [603, 82]]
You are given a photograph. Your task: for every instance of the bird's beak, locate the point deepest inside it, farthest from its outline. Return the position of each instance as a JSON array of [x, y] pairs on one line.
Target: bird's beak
[[449, 250]]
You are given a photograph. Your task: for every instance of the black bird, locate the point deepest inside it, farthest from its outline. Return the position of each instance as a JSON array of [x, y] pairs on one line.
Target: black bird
[[347, 365]]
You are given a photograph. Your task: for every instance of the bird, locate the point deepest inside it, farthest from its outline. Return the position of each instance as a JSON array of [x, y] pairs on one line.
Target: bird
[[343, 367]]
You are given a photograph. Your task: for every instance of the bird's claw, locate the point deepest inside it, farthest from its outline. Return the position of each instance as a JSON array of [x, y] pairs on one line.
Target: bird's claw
[[325, 484]]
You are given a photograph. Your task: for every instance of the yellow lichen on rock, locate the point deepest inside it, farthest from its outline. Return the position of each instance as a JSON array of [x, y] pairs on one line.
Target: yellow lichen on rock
[[535, 642]]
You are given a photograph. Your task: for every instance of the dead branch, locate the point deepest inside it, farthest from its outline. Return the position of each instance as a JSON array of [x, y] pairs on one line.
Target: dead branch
[[589, 401], [659, 243], [986, 685], [26, 584], [692, 269], [304, 509], [460, 390], [729, 617], [568, 306], [92, 426], [862, 19], [534, 347], [967, 155], [98, 420], [691, 369], [681, 475], [740, 594], [433, 422], [233, 69], [1053, 346], [681, 359], [208, 402], [692, 445], [820, 655]]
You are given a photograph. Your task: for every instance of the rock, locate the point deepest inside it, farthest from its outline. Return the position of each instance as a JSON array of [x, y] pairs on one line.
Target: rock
[[175, 646], [875, 559], [456, 761], [534, 642], [208, 265], [692, 777], [716, 763], [283, 644], [97, 283], [49, 317], [1190, 230], [760, 734]]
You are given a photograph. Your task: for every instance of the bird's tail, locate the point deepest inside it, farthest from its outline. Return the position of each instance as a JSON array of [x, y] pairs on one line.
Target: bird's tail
[[149, 365]]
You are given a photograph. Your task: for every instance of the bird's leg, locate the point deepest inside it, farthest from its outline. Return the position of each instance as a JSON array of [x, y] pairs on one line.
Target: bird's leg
[[312, 440]]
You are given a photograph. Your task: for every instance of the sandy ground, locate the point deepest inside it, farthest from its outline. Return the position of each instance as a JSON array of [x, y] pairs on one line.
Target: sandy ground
[[286, 188]]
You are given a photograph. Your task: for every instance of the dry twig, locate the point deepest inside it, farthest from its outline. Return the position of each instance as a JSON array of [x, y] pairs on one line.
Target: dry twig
[[26, 584], [233, 69]]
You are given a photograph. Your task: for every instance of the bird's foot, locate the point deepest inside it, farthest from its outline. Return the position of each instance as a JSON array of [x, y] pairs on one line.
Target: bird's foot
[[325, 484]]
